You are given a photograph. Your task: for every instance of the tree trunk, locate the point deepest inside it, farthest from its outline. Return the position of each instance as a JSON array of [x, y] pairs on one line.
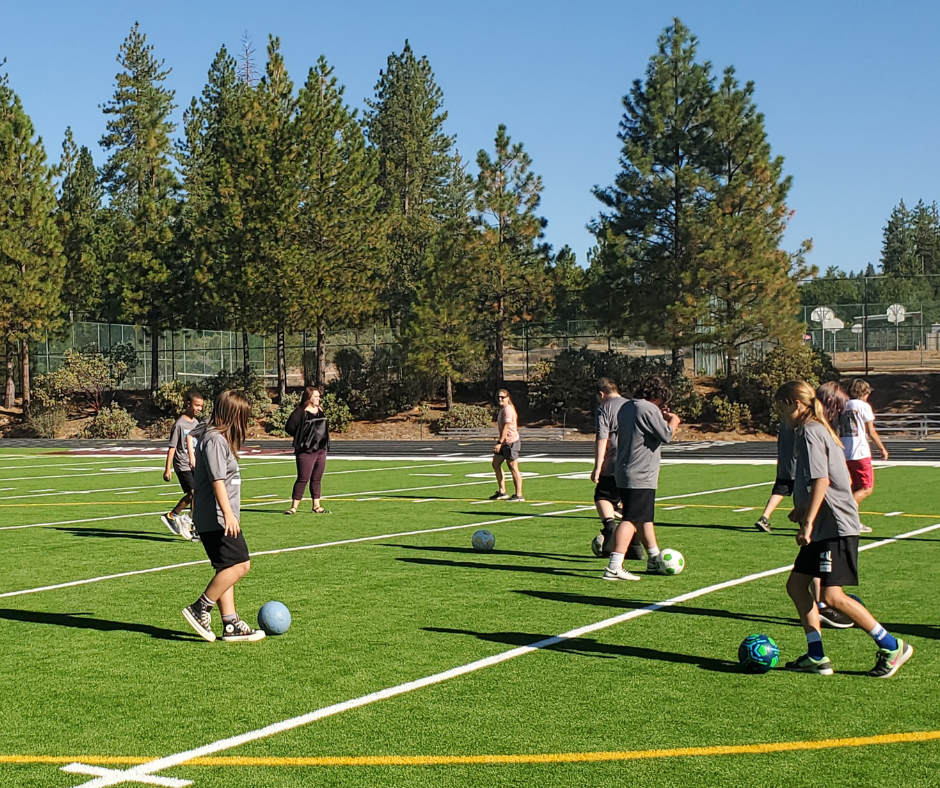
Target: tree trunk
[[10, 398], [321, 353], [449, 392], [24, 377], [154, 358], [246, 356], [500, 362], [281, 365]]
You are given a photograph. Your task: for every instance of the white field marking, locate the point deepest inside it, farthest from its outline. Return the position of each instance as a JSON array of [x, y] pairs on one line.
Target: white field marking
[[671, 508], [430, 474], [576, 476], [356, 540], [425, 500], [709, 492], [491, 475], [269, 495], [67, 464], [745, 509], [118, 777], [175, 492], [544, 503], [892, 514], [130, 492], [6, 489], [85, 520], [48, 489]]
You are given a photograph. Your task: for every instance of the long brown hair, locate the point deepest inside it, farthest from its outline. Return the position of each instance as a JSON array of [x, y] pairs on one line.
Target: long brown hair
[[308, 395], [834, 400], [794, 391], [230, 417]]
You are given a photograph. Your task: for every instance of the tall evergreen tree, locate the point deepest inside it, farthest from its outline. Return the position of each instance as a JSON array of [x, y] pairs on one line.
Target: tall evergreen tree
[[649, 236], [569, 281], [139, 177], [30, 246], [83, 232], [506, 267], [405, 124], [341, 232]]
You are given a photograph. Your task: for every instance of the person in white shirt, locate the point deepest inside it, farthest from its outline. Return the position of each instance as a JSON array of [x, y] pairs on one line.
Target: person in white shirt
[[856, 427]]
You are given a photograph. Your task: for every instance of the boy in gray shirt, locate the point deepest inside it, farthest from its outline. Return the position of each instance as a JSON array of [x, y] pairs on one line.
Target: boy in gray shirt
[[644, 425], [177, 455]]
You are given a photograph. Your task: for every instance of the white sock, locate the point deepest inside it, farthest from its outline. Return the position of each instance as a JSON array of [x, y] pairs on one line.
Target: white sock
[[616, 561], [652, 552]]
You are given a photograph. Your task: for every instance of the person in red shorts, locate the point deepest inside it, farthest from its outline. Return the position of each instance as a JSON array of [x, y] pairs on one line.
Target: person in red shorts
[[856, 427]]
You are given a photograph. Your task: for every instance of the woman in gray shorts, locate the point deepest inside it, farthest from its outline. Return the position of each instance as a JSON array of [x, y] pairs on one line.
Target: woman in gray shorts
[[507, 448]]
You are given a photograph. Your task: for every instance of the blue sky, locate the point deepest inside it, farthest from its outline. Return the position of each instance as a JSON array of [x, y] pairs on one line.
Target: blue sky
[[849, 89]]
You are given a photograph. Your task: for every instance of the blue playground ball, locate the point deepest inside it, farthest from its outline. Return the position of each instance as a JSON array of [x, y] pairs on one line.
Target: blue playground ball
[[274, 618], [758, 654]]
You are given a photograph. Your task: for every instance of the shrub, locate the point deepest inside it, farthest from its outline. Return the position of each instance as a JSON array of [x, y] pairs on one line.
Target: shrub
[[160, 429], [277, 417], [350, 365], [465, 417], [88, 377], [337, 413], [46, 423], [111, 422], [170, 398], [247, 382], [731, 416]]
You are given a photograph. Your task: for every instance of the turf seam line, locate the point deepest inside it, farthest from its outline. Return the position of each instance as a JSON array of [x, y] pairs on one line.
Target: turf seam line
[[116, 777]]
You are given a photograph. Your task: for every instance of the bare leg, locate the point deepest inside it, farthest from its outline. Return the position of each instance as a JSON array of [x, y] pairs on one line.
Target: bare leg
[[605, 509], [498, 469], [648, 536], [835, 597], [184, 503], [772, 504], [798, 587], [222, 585], [624, 536], [861, 495], [227, 602], [516, 476]]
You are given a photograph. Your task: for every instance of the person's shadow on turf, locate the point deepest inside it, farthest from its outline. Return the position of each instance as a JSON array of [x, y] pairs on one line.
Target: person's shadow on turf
[[104, 533], [470, 551], [589, 647], [541, 570], [81, 621]]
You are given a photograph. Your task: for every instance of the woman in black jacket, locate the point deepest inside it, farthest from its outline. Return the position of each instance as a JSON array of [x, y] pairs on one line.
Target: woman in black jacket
[[311, 433]]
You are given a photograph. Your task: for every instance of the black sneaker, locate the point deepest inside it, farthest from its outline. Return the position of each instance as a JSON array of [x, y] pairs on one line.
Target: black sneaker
[[763, 524], [888, 662], [200, 621], [608, 536], [836, 619], [241, 632], [498, 496], [516, 498]]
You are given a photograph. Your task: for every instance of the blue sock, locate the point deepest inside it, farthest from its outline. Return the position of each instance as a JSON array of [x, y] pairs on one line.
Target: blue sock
[[814, 645], [883, 638]]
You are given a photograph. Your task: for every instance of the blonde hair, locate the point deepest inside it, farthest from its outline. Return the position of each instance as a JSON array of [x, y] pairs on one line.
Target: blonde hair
[[795, 391], [230, 417], [506, 393], [859, 388]]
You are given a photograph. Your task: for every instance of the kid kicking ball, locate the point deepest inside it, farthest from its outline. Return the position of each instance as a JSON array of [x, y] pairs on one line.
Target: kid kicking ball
[[274, 618], [758, 654], [483, 541], [671, 561]]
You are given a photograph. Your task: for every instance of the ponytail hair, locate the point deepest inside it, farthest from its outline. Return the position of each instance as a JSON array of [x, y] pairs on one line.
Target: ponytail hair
[[795, 391], [834, 400]]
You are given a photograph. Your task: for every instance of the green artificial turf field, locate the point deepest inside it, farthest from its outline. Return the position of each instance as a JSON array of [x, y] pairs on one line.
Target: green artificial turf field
[[386, 590]]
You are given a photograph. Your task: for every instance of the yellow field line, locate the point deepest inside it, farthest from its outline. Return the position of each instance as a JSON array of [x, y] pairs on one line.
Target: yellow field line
[[485, 760]]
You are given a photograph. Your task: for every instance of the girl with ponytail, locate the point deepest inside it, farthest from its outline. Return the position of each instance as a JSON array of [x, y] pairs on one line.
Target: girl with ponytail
[[827, 515]]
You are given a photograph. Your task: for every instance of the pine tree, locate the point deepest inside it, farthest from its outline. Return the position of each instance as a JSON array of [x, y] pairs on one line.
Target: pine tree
[[569, 281], [79, 219], [899, 248], [405, 124], [749, 284], [31, 259], [649, 236], [141, 182], [341, 230], [506, 271]]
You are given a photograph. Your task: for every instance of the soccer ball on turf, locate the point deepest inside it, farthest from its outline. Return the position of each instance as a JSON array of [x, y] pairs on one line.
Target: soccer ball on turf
[[274, 618], [483, 541], [597, 545], [758, 654], [671, 561]]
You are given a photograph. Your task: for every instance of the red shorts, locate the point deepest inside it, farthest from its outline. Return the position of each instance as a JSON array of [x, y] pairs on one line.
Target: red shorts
[[863, 476]]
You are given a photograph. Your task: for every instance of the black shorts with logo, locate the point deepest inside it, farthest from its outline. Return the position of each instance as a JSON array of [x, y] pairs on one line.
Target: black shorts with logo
[[782, 487], [606, 490], [638, 505], [833, 561], [186, 480], [224, 551]]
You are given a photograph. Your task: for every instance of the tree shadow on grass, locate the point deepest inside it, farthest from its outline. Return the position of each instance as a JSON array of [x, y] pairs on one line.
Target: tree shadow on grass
[[541, 570], [929, 631], [722, 527], [470, 551], [80, 621], [589, 647], [107, 533], [634, 604]]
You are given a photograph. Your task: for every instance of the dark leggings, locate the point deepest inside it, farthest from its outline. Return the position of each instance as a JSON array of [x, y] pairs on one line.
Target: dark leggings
[[310, 467]]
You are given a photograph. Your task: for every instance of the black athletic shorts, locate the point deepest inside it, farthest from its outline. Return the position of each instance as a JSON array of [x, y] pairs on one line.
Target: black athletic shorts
[[638, 505], [224, 551], [510, 450], [833, 561], [606, 490], [783, 487], [186, 480]]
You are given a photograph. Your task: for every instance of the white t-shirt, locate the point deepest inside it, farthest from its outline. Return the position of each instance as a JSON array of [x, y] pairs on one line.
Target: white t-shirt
[[852, 430]]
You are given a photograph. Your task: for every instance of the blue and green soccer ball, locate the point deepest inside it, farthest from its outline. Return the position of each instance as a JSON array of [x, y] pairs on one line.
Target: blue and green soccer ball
[[758, 654]]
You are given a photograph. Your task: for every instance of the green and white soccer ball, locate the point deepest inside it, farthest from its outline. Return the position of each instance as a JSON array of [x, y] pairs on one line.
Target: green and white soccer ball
[[483, 541], [597, 545], [671, 561]]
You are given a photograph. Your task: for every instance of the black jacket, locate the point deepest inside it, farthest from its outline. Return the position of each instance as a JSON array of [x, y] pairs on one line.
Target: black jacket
[[310, 431]]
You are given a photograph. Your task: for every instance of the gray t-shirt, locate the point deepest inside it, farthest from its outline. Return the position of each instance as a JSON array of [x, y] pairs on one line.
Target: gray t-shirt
[[786, 459], [643, 431], [818, 456], [214, 461], [605, 423], [184, 425]]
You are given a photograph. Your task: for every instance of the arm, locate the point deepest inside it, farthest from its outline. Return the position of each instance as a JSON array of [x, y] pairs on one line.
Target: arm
[[817, 495], [293, 422], [167, 474], [191, 451], [876, 439], [232, 527], [600, 450]]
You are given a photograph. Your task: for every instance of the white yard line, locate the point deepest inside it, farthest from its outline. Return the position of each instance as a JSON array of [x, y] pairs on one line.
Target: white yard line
[[108, 777]]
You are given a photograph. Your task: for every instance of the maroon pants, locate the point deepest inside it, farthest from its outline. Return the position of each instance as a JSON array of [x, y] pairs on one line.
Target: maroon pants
[[310, 467]]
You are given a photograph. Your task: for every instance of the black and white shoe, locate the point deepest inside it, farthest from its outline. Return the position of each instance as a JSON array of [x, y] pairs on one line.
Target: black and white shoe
[[201, 622], [763, 524], [241, 632], [836, 619], [499, 496]]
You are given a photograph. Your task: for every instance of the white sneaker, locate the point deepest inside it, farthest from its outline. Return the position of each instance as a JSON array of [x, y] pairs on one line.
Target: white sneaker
[[619, 574], [170, 521], [185, 523]]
